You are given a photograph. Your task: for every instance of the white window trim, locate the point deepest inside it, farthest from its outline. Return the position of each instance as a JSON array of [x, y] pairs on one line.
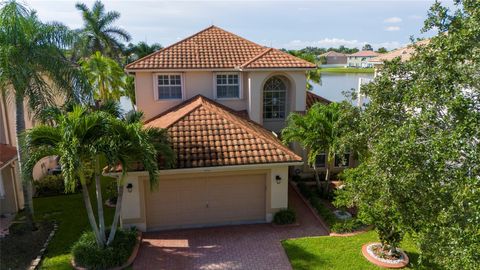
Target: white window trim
[[155, 86], [349, 155], [240, 85]]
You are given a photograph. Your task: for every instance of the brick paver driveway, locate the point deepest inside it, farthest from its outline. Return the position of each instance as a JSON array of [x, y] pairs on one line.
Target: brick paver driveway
[[252, 247]]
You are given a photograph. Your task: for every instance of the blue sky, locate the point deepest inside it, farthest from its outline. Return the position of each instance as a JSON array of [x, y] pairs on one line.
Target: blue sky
[[279, 24]]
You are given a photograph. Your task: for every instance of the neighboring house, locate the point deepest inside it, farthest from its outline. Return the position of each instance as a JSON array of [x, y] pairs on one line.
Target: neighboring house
[[220, 97], [361, 59], [11, 192], [404, 53], [334, 59]]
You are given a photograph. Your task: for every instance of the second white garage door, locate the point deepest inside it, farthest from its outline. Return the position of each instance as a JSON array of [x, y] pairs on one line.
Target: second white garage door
[[216, 200]]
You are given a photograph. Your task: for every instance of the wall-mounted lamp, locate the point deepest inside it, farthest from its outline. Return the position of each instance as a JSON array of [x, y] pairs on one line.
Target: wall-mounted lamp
[[278, 179], [129, 187]]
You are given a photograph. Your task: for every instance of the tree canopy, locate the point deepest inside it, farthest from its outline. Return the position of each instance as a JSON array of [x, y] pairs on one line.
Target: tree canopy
[[422, 130]]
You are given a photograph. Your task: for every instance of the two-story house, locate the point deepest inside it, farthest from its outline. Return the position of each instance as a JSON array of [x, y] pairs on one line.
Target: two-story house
[[361, 59], [221, 98]]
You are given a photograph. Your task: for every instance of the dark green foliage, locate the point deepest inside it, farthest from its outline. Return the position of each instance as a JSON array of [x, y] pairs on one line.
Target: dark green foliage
[[285, 216], [112, 192], [86, 252], [49, 185], [347, 226]]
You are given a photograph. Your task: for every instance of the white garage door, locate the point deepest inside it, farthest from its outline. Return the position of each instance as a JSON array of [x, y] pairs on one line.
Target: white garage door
[[189, 202]]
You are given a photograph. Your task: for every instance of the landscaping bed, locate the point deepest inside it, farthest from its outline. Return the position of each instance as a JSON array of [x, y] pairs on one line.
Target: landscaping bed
[[326, 211], [21, 245]]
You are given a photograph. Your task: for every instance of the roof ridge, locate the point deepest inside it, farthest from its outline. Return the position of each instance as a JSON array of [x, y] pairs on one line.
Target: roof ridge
[[174, 108], [171, 45], [281, 52], [256, 57]]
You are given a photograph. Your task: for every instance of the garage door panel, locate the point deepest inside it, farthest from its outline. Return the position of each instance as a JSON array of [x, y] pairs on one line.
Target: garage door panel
[[207, 201]]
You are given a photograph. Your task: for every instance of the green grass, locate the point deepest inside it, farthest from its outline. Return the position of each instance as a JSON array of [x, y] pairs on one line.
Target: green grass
[[71, 216], [338, 253], [347, 70]]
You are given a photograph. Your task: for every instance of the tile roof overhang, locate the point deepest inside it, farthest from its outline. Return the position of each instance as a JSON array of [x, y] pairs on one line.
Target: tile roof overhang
[[314, 98], [216, 49], [8, 154], [204, 133], [365, 54]]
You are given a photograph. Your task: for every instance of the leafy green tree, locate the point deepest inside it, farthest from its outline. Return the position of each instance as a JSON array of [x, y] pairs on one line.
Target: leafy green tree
[[422, 130], [99, 32], [106, 77], [382, 50], [313, 76], [141, 49], [367, 47], [321, 130], [34, 70]]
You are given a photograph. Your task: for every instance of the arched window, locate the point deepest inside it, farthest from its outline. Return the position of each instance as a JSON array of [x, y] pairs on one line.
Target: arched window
[[274, 99]]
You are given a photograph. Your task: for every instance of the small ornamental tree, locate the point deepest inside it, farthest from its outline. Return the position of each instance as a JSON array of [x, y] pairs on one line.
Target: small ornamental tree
[[421, 171]]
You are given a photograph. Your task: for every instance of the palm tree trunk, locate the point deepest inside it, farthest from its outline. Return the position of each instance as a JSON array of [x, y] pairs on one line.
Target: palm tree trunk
[[317, 178], [26, 179], [98, 189], [118, 210], [91, 217], [327, 177]]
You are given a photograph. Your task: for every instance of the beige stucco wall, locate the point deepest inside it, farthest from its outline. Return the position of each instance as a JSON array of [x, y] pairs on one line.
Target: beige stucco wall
[[134, 208], [202, 83]]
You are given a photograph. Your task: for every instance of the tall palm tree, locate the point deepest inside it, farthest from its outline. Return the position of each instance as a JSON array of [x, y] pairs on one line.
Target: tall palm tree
[[99, 32], [130, 90], [318, 131], [33, 69], [105, 76]]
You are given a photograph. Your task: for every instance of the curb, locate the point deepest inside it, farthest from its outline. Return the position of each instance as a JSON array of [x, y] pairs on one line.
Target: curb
[[36, 262]]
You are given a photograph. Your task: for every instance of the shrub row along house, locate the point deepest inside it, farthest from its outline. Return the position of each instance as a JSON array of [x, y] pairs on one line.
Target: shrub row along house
[[222, 99]]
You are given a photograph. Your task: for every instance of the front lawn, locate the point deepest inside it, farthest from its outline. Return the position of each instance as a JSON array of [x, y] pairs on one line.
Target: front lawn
[[69, 212], [337, 253]]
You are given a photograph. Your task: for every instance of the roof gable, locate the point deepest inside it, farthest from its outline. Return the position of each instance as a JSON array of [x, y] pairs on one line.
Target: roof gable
[[204, 133], [364, 54], [215, 48]]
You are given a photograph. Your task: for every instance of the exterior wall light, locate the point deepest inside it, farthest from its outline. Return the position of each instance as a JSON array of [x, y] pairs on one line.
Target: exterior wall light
[[278, 179], [129, 187]]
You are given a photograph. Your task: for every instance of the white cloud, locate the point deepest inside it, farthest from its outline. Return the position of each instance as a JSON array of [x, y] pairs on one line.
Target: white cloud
[[336, 42], [393, 20], [392, 28]]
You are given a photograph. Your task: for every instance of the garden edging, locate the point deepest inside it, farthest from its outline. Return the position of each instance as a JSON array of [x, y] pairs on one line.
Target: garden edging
[[126, 264], [36, 262]]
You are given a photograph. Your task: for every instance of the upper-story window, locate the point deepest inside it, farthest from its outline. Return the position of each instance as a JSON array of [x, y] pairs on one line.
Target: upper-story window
[[342, 161], [169, 86], [274, 99], [228, 85]]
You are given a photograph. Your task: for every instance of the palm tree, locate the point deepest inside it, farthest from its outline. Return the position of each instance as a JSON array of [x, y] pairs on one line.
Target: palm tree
[[105, 76], [130, 90], [80, 137], [34, 69], [318, 131], [99, 33], [142, 49], [132, 143]]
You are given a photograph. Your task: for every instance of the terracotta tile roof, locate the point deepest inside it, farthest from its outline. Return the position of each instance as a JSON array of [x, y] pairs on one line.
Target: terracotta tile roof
[[215, 48], [404, 53], [313, 98], [7, 154], [333, 53], [204, 133], [364, 54]]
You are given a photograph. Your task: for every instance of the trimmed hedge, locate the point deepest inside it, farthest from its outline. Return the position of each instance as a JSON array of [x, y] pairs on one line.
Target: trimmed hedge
[[49, 185], [285, 216], [87, 254]]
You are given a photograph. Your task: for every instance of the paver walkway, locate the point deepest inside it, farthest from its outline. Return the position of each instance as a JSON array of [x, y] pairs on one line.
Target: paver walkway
[[252, 247]]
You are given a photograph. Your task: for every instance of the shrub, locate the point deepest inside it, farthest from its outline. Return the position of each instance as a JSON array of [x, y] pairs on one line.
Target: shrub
[[87, 254], [49, 185], [285, 216], [345, 226], [296, 178], [112, 192]]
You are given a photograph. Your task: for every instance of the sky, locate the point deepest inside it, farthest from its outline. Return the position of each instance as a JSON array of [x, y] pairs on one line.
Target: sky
[[278, 24]]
